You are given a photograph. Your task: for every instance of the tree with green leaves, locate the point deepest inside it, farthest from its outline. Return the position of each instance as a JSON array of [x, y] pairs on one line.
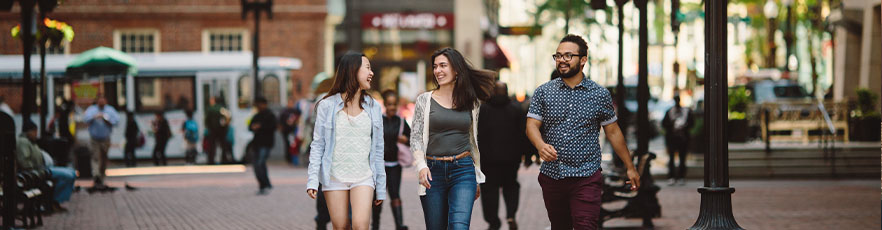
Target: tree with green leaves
[[552, 9]]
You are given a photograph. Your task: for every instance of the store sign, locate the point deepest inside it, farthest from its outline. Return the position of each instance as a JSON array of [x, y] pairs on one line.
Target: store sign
[[407, 21]]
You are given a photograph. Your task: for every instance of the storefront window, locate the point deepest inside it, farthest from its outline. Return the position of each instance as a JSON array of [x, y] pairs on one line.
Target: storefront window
[[270, 88]]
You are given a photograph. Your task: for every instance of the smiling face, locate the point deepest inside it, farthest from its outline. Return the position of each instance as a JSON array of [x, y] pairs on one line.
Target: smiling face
[[569, 68], [365, 74], [444, 73]]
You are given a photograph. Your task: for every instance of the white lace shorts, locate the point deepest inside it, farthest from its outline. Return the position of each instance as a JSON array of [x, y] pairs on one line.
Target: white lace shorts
[[336, 185]]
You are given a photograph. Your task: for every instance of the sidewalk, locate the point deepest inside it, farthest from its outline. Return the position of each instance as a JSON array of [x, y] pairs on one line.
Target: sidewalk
[[228, 201]]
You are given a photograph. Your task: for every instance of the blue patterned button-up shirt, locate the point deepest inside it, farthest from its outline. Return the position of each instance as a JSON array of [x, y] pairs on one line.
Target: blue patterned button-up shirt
[[571, 121]]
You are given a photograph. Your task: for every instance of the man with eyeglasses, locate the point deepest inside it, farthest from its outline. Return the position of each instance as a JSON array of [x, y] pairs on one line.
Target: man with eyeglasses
[[564, 122]]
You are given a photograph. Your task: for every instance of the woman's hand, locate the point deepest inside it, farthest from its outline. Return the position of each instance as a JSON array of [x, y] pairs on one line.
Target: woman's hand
[[425, 177], [478, 193], [402, 139], [378, 202], [311, 193]]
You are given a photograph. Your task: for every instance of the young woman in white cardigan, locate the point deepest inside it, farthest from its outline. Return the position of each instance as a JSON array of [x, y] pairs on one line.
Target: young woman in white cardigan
[[346, 155], [444, 140]]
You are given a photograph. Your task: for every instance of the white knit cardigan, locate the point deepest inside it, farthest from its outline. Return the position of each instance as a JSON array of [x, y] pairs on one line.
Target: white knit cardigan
[[419, 137]]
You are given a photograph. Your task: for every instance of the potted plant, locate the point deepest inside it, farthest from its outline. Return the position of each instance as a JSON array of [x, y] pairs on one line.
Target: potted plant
[[737, 124], [865, 118]]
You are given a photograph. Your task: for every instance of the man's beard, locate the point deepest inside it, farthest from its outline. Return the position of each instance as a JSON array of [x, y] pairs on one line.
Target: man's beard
[[570, 73]]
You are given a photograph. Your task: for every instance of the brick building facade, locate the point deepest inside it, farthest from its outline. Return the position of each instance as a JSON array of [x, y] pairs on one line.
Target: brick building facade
[[296, 29]]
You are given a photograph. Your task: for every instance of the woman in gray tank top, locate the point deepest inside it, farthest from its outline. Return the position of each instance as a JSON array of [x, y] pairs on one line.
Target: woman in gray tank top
[[443, 140]]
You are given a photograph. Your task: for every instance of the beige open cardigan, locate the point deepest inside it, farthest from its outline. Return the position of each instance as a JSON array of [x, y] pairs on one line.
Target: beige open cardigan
[[419, 137]]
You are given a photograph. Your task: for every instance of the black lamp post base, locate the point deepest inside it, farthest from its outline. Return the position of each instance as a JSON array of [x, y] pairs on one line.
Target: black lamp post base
[[716, 209]]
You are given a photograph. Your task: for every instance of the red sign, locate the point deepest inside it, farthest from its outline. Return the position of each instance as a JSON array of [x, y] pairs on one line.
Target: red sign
[[407, 21]]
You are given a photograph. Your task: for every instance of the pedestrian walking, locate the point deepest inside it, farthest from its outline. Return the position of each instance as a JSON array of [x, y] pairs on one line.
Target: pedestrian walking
[[264, 126], [217, 123], [443, 140], [191, 136], [346, 155], [503, 146], [161, 134], [101, 118], [396, 135], [132, 133], [677, 124], [564, 122], [288, 120]]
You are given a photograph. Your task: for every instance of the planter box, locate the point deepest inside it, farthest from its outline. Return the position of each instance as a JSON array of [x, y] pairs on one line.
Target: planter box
[[866, 129]]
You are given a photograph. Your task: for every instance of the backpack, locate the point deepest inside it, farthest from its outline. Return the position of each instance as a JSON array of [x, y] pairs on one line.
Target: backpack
[[191, 131]]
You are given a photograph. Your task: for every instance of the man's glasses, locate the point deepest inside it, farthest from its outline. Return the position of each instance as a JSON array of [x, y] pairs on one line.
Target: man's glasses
[[565, 57]]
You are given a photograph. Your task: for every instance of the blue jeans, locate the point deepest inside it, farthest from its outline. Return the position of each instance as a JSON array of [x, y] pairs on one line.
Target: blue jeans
[[64, 182], [448, 204], [260, 170]]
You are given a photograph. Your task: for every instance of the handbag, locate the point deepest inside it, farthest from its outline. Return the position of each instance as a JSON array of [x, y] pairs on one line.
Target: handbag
[[405, 156]]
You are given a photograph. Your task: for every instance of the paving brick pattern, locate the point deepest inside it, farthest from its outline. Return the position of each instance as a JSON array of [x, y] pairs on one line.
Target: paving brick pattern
[[228, 201]]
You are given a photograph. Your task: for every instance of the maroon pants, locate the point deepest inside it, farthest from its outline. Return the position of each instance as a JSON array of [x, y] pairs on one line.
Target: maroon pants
[[572, 203]]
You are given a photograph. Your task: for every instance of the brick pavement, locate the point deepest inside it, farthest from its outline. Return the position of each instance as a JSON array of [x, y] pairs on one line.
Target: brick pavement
[[228, 201]]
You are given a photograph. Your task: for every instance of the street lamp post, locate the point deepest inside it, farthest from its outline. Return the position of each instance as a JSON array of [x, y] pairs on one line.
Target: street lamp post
[[788, 34], [771, 12], [46, 6], [27, 39], [716, 195], [257, 7], [675, 28], [622, 112], [643, 124]]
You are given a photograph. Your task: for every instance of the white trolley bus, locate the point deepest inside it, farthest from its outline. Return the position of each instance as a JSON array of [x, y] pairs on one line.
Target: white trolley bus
[[171, 82]]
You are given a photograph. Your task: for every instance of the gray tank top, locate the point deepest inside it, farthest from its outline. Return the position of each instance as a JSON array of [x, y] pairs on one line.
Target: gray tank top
[[448, 131]]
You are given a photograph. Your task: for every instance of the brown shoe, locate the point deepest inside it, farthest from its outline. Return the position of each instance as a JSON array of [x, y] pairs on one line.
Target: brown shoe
[[512, 224]]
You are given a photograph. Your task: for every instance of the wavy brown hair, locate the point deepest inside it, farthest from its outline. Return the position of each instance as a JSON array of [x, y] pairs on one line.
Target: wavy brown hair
[[471, 84], [346, 78]]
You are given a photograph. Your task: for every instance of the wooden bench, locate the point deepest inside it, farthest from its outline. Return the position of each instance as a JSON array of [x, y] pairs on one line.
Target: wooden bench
[[803, 122]]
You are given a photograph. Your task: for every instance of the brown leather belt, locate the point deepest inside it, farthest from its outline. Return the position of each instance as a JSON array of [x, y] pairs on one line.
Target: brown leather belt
[[450, 158]]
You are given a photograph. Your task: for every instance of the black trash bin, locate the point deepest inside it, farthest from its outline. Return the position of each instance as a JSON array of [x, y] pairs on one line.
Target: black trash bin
[[83, 161], [58, 148]]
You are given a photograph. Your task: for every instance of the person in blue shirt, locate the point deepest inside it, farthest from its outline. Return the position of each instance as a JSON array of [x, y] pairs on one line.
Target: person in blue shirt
[[563, 123], [101, 119]]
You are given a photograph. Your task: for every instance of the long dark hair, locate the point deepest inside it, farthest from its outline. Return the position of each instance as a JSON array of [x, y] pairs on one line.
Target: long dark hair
[[346, 78], [470, 84]]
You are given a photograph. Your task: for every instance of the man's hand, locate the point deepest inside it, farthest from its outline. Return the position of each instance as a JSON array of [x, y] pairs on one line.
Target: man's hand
[[547, 152], [255, 126], [425, 177], [402, 139], [633, 179]]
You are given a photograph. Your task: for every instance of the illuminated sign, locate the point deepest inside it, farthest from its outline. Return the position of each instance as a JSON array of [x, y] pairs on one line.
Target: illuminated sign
[[407, 21]]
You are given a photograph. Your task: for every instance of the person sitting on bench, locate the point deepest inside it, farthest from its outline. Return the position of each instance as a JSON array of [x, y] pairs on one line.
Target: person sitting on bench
[[29, 157]]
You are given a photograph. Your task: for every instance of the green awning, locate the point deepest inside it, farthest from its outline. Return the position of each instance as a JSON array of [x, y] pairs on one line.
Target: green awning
[[103, 60]]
